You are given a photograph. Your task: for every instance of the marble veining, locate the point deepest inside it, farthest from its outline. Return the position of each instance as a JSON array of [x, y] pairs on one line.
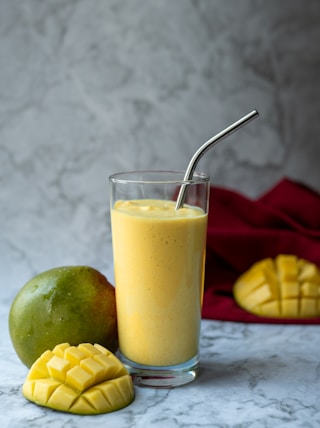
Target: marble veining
[[89, 88]]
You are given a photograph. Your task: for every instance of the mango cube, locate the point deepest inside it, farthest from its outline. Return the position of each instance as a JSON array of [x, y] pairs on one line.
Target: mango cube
[[268, 309], [40, 370], [290, 308], [287, 267], [79, 378], [44, 388], [308, 307], [58, 367], [309, 289], [83, 379], [97, 371], [59, 349], [289, 289], [284, 287], [309, 272], [74, 355]]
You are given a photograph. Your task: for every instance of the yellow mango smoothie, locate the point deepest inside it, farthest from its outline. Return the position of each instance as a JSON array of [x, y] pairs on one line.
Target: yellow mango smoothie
[[159, 256]]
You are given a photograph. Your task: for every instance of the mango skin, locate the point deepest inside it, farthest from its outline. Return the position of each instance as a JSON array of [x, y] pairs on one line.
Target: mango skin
[[284, 287], [85, 379]]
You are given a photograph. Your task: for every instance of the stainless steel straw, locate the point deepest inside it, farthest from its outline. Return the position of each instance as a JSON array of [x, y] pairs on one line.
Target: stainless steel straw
[[206, 146]]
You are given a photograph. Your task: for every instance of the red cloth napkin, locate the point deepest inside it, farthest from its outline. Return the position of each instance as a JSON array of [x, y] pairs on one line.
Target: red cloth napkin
[[242, 231]]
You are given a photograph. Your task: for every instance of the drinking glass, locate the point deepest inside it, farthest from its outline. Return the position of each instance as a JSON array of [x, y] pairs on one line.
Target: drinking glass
[[159, 258]]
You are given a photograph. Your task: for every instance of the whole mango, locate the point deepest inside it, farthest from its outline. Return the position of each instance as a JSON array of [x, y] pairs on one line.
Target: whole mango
[[73, 304]]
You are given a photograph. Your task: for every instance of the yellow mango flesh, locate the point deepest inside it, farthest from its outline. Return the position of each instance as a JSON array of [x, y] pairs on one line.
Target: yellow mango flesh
[[284, 287], [85, 379]]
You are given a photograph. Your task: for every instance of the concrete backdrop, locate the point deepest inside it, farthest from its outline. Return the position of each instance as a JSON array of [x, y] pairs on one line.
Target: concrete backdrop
[[92, 87]]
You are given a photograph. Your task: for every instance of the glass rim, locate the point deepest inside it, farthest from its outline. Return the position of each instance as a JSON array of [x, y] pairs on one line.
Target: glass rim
[[128, 177]]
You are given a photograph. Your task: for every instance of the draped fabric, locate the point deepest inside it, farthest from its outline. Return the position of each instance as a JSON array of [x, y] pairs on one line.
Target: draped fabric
[[242, 231]]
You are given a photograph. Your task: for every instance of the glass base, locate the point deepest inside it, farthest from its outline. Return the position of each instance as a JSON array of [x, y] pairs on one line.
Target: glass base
[[164, 376]]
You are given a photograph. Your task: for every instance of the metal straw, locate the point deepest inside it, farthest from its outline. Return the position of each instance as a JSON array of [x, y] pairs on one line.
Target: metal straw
[[206, 146]]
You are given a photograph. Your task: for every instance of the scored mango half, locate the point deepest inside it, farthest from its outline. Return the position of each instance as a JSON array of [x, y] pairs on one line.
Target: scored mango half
[[85, 379], [284, 287]]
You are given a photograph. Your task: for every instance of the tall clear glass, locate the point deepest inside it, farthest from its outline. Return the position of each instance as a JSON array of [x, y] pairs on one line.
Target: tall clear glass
[[159, 258]]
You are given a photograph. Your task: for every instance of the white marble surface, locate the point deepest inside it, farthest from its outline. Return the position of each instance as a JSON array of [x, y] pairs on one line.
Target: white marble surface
[[91, 87], [252, 376]]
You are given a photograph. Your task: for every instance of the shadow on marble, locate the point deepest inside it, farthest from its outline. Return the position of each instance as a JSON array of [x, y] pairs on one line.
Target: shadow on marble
[[249, 369]]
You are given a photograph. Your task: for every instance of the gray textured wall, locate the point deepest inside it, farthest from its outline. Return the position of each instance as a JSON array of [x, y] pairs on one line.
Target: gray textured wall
[[91, 87]]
